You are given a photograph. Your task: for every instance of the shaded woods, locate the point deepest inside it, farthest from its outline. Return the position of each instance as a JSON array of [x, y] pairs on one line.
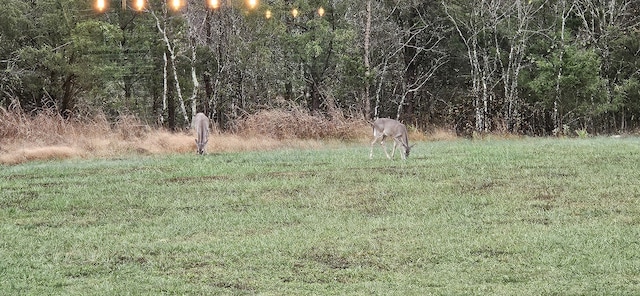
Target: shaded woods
[[524, 67]]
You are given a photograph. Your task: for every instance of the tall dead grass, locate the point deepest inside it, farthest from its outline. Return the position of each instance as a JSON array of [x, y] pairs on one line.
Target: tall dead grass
[[47, 135], [296, 122]]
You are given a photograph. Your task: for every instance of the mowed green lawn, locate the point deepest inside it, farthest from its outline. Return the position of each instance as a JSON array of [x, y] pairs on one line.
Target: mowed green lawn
[[519, 217]]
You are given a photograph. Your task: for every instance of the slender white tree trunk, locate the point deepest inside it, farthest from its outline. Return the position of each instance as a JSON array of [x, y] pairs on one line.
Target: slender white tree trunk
[[165, 88], [557, 117], [479, 74], [174, 69], [194, 79], [367, 65]]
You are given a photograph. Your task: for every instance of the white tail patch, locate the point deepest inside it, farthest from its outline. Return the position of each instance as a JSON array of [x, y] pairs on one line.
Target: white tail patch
[[386, 127], [201, 124]]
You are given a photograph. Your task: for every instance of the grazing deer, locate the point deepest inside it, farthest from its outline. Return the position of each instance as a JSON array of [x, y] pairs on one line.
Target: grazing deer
[[201, 123], [385, 127]]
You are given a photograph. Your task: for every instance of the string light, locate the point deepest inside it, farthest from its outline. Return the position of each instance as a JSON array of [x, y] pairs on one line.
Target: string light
[[139, 5], [101, 5], [176, 4], [252, 3], [214, 4]]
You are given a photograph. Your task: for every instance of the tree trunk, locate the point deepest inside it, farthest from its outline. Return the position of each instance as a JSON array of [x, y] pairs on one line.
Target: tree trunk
[[410, 52], [171, 107], [367, 67], [165, 88], [68, 101], [557, 117], [172, 62], [194, 79]]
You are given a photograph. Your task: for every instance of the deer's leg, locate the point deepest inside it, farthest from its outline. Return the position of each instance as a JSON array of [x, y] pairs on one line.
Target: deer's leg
[[384, 147], [393, 152], [398, 143], [376, 138]]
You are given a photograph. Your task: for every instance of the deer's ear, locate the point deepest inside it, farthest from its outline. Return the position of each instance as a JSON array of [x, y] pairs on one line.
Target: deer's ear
[[196, 141], [205, 142]]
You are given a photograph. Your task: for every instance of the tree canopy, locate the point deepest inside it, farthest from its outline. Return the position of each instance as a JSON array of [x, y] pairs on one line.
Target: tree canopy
[[536, 67]]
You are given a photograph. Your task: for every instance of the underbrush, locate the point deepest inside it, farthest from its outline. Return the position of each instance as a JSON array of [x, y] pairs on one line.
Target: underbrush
[[296, 122], [47, 135]]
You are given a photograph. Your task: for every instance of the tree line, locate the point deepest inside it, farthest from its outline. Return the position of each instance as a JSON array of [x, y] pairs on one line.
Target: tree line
[[537, 67]]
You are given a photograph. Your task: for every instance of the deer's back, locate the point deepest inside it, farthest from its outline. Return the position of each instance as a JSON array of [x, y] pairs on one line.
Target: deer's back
[[389, 127], [201, 124]]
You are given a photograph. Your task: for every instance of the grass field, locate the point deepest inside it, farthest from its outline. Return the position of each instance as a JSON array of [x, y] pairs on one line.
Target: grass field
[[519, 217]]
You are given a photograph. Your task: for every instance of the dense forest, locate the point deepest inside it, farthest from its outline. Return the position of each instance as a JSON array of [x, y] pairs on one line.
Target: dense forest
[[537, 67]]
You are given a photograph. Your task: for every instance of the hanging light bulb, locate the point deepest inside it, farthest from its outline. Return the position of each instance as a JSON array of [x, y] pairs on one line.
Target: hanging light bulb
[[101, 5], [214, 4], [321, 11], [139, 5], [176, 4], [267, 14], [295, 12], [252, 3]]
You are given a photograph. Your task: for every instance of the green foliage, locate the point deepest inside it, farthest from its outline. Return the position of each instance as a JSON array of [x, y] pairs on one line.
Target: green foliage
[[91, 39], [12, 21], [628, 94], [582, 133], [525, 216], [626, 79], [94, 35], [61, 53], [580, 86]]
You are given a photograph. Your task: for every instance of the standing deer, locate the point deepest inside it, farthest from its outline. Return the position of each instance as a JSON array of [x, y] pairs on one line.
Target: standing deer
[[385, 127], [201, 123]]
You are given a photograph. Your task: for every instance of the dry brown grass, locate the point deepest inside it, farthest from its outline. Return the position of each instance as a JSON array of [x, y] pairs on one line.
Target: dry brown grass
[[295, 122], [441, 134], [39, 153], [47, 135]]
